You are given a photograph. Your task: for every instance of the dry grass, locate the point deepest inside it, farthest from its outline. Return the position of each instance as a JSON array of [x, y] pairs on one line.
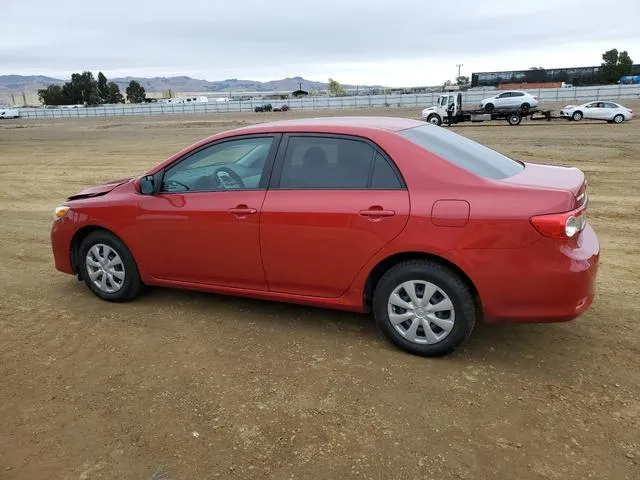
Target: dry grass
[[97, 390]]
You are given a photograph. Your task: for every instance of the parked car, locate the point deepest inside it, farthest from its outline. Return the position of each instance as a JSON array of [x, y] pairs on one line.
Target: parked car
[[283, 108], [610, 111], [8, 112], [510, 99], [429, 230], [267, 107]]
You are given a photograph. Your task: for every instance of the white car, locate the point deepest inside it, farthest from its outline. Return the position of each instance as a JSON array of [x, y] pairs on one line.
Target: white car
[[9, 113], [510, 99], [609, 111]]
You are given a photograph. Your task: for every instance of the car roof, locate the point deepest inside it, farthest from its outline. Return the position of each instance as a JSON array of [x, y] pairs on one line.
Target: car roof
[[328, 124]]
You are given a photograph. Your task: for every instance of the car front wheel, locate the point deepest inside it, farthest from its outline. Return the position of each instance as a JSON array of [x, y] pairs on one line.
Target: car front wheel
[[435, 119], [424, 308], [577, 116], [108, 268]]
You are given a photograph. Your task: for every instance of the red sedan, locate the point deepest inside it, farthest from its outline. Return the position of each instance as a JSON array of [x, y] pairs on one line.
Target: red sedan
[[423, 227]]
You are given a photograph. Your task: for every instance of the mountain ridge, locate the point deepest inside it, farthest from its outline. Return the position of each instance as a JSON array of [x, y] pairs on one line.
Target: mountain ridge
[[183, 83]]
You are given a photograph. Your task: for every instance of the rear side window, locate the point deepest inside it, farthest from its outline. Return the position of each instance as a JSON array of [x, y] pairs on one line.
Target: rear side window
[[384, 176], [463, 152]]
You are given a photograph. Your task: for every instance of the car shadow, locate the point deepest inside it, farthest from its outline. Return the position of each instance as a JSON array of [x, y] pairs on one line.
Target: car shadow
[[498, 343]]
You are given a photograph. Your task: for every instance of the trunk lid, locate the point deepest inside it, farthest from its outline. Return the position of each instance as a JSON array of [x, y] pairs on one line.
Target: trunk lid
[[568, 179]]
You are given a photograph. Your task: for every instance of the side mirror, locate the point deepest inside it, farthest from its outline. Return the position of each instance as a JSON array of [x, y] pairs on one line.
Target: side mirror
[[147, 185]]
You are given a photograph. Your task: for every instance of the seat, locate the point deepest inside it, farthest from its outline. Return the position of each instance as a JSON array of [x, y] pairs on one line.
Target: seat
[[354, 160], [315, 169]]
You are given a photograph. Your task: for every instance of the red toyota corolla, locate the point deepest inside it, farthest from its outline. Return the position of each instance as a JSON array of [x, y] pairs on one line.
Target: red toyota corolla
[[427, 229]]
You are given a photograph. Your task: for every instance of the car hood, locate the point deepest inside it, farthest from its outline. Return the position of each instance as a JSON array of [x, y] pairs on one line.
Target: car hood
[[100, 189]]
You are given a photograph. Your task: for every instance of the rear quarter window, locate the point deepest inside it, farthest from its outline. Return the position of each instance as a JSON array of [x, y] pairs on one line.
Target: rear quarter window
[[463, 152]]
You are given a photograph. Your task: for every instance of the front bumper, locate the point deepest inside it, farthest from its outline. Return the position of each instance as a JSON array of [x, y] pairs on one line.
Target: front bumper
[[62, 232]]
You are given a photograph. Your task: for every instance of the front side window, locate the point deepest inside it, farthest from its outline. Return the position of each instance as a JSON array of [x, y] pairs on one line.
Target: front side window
[[326, 163], [463, 152], [233, 164]]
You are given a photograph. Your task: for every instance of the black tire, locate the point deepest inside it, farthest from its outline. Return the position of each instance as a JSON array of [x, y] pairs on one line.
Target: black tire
[[435, 119], [618, 119], [445, 279], [577, 116], [132, 284], [525, 107], [489, 107], [514, 119]]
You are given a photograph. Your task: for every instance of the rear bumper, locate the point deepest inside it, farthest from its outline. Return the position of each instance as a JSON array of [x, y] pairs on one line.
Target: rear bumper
[[542, 283]]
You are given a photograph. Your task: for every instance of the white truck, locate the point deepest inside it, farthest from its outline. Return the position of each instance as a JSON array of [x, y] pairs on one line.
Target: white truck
[[7, 112], [449, 109]]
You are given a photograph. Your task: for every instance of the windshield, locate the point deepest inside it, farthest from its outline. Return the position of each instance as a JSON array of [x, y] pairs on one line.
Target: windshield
[[463, 152], [443, 101]]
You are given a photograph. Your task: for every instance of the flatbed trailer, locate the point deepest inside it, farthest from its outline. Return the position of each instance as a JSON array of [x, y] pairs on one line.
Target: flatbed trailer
[[512, 116], [438, 114]]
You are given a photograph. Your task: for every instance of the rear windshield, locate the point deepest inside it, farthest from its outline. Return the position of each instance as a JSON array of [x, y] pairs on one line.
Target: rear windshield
[[463, 152]]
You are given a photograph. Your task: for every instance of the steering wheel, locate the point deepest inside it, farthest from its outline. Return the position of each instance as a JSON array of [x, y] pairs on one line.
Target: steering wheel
[[226, 178], [175, 186]]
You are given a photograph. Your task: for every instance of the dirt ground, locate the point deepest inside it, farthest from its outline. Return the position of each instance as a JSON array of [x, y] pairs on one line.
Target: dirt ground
[[182, 385]]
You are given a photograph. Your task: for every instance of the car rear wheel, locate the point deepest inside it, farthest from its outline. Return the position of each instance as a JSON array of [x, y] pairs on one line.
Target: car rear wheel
[[618, 118], [424, 308], [489, 107], [577, 116], [108, 268], [525, 107]]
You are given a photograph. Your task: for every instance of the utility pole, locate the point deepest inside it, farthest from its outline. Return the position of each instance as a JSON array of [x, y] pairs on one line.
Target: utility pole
[[458, 65]]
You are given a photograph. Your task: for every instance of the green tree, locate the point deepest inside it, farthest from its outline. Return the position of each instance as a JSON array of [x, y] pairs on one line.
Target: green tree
[[462, 80], [103, 89], [53, 95], [113, 93], [615, 65], [82, 89], [135, 92], [335, 88], [625, 64]]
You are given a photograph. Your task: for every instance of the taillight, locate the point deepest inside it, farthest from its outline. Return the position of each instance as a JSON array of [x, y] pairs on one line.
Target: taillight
[[561, 225]]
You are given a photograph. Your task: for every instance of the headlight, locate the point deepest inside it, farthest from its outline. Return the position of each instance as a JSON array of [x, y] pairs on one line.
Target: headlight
[[60, 212]]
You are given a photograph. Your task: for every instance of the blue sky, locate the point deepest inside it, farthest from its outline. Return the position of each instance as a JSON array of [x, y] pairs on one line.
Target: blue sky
[[395, 43]]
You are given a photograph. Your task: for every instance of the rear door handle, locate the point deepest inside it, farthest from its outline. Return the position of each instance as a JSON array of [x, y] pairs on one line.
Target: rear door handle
[[374, 212], [242, 211]]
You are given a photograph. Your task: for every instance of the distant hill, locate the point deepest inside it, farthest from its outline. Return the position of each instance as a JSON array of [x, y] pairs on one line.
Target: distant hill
[[20, 83]]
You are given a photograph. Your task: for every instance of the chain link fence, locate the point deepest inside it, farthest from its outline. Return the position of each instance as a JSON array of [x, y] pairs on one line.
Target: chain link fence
[[470, 98]]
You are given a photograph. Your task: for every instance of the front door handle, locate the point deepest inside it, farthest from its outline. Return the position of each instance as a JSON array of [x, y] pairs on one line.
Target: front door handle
[[374, 212], [242, 210]]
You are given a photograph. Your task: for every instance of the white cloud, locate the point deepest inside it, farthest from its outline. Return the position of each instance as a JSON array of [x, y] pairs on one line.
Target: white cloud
[[403, 42]]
